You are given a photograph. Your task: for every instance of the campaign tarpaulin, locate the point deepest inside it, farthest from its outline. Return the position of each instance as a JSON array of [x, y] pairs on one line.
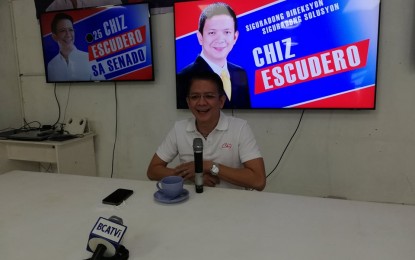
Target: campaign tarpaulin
[[117, 40], [298, 54]]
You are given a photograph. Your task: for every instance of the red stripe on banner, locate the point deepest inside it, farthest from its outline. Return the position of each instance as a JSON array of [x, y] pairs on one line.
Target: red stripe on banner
[[186, 14], [118, 43], [144, 73], [327, 63], [361, 98]]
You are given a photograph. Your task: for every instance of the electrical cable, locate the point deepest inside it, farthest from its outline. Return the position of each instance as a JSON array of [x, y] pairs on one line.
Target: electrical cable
[[59, 108], [288, 144], [6, 129], [116, 129], [67, 101], [26, 124]]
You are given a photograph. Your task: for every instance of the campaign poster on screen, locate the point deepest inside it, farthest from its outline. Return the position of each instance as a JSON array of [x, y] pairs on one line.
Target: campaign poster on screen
[[113, 43], [296, 53]]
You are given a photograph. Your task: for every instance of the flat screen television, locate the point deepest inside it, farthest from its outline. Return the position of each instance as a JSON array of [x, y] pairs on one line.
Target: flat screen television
[[107, 43], [290, 54]]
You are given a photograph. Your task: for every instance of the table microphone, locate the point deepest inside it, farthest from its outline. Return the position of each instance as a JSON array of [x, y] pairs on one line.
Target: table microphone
[[105, 237], [198, 153]]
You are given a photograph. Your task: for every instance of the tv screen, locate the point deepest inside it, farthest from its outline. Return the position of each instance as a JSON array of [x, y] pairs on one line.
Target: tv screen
[[108, 43], [282, 54]]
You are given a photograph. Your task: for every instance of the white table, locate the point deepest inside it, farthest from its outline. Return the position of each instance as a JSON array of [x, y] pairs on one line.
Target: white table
[[74, 156], [49, 216]]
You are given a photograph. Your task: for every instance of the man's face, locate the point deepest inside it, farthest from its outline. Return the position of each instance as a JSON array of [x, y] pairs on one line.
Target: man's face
[[204, 101], [65, 34], [218, 38]]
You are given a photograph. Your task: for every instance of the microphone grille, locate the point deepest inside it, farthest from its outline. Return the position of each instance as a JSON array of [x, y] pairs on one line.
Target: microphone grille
[[198, 144]]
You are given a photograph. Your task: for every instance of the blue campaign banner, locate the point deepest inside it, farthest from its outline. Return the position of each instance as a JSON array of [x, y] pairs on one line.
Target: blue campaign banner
[[298, 53], [115, 40]]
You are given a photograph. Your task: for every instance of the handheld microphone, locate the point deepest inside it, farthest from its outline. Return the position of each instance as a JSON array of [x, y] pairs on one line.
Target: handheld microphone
[[198, 153], [105, 237]]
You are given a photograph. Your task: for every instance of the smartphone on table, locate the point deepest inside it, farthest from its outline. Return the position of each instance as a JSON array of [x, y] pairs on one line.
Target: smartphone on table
[[117, 197]]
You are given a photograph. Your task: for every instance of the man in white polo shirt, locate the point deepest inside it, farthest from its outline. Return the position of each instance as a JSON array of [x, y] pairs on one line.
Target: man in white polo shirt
[[231, 157]]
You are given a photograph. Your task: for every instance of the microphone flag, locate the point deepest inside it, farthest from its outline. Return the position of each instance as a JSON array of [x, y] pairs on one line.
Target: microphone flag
[[107, 232]]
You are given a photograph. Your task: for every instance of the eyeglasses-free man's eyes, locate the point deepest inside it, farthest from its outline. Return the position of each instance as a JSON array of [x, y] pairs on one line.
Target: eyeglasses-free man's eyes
[[206, 96], [65, 30]]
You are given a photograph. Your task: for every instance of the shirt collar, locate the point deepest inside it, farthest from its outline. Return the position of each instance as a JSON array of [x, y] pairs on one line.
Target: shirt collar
[[222, 125], [70, 54], [213, 66]]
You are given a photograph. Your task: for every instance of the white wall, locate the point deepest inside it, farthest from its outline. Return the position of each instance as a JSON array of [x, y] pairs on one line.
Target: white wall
[[361, 155], [9, 84], [10, 104]]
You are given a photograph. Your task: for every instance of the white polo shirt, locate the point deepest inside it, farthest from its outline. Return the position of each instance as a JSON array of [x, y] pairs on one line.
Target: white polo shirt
[[231, 143], [77, 68]]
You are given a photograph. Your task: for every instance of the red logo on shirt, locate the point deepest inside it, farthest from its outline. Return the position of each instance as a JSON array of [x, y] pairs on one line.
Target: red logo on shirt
[[227, 146]]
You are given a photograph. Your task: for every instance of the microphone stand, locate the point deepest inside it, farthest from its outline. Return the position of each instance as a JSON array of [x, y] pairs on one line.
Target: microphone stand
[[122, 253]]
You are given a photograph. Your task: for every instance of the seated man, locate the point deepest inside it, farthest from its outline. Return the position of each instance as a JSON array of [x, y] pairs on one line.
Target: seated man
[[231, 157]]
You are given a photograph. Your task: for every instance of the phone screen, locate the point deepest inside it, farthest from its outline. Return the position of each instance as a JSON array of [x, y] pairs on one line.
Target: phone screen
[[117, 197]]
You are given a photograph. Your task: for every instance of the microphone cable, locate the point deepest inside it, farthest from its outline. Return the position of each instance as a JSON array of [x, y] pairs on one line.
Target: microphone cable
[[288, 144]]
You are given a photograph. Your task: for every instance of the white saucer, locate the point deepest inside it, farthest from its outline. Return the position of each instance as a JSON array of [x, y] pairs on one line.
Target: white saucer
[[160, 197]]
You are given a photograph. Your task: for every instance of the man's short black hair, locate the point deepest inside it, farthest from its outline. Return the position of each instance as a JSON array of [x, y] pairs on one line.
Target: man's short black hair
[[58, 17], [217, 8], [207, 75]]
